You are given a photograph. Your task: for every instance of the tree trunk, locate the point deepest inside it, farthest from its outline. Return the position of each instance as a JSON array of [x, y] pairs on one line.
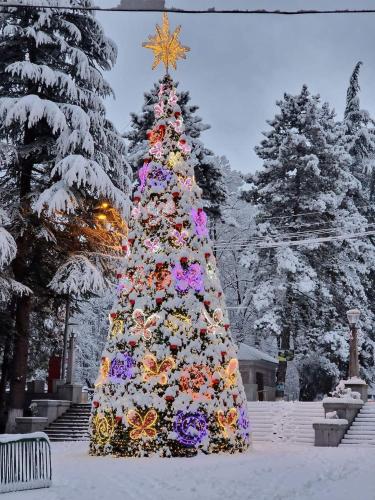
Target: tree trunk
[[283, 365], [19, 362], [4, 379]]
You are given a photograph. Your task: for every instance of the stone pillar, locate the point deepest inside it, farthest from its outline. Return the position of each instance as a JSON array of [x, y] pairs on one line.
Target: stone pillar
[[71, 360]]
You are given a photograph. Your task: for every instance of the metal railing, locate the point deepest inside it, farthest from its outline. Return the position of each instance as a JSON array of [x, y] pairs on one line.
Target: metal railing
[[25, 462]]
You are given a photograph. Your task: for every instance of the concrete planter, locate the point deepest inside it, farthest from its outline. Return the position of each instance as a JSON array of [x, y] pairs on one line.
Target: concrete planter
[[345, 408], [70, 392], [329, 432], [358, 385], [25, 425]]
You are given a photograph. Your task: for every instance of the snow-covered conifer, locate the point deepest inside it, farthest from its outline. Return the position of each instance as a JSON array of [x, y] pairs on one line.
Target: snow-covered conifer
[[301, 290], [69, 156]]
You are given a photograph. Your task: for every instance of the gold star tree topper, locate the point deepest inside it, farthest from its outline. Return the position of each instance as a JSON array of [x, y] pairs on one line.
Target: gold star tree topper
[[166, 46]]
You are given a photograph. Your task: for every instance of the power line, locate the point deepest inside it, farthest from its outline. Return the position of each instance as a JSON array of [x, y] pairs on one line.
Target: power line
[[173, 10]]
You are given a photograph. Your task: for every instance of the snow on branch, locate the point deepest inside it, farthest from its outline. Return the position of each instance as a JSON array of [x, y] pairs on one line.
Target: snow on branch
[[8, 248], [77, 276]]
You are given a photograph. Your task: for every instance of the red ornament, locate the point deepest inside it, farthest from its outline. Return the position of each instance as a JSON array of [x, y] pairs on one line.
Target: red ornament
[[169, 398], [132, 302], [203, 331], [95, 404], [132, 343], [159, 300], [219, 294], [226, 327], [159, 265], [177, 114], [173, 347], [113, 315], [235, 396], [119, 419], [223, 353], [183, 260], [125, 248], [118, 276], [207, 255], [215, 381], [178, 227], [136, 199], [176, 194], [207, 303]]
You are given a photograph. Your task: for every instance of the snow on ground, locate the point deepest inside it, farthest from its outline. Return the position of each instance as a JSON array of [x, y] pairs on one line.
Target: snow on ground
[[270, 471]]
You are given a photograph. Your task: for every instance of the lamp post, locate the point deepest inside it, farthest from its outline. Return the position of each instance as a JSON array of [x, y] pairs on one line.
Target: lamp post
[[353, 317]]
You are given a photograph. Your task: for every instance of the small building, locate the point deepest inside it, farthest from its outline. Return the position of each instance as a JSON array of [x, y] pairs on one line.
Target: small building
[[258, 372]]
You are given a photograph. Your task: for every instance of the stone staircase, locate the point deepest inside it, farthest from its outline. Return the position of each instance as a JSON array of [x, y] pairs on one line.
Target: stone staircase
[[284, 421], [362, 430], [73, 425]]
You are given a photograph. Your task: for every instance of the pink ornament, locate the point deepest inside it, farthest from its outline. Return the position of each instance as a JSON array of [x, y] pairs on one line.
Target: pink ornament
[[157, 150], [153, 244], [184, 146], [159, 110], [143, 174], [177, 125], [173, 99], [200, 221]]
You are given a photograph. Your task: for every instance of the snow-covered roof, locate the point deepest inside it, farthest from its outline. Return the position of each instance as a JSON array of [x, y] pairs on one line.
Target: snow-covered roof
[[248, 353]]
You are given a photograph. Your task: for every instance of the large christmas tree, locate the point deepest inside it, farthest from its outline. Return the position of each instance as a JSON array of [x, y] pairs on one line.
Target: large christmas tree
[[169, 382]]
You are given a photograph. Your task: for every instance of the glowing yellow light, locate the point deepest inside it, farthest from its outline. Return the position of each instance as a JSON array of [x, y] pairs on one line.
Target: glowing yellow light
[[174, 159], [103, 372], [103, 427], [102, 217], [117, 328], [104, 205], [227, 422], [165, 45]]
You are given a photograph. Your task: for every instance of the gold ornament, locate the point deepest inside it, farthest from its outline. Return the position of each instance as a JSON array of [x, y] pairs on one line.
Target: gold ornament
[[166, 46], [143, 426], [117, 328], [174, 159], [104, 428], [227, 421], [103, 372]]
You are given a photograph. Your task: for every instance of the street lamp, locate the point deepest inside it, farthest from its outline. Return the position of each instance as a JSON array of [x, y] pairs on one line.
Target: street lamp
[[353, 317]]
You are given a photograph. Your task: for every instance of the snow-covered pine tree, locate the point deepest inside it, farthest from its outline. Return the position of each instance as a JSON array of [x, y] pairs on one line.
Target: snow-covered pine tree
[[69, 154], [301, 291], [169, 382], [208, 174], [360, 138]]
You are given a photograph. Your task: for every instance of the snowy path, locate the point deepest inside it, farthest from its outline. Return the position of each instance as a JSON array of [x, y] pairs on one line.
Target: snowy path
[[268, 472]]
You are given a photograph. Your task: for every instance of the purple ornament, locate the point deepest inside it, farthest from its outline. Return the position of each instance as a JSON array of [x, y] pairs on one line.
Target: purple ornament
[[159, 177], [192, 277], [191, 428], [143, 174], [244, 424], [121, 367], [200, 221]]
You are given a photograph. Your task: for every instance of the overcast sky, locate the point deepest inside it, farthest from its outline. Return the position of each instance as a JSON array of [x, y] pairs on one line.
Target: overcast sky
[[240, 65]]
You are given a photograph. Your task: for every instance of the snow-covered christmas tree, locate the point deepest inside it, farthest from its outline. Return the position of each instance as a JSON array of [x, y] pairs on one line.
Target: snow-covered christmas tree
[[169, 382]]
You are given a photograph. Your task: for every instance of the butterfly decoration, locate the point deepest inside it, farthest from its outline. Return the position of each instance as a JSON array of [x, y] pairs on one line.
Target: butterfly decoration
[[159, 109], [103, 371], [161, 278], [156, 135], [186, 183], [136, 212], [138, 278], [184, 146], [103, 428], [174, 159], [143, 324], [216, 322], [191, 277], [230, 373], [157, 150], [155, 369], [193, 379], [227, 421], [200, 221], [153, 244], [177, 125], [173, 99], [143, 426], [143, 175], [117, 327], [179, 237]]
